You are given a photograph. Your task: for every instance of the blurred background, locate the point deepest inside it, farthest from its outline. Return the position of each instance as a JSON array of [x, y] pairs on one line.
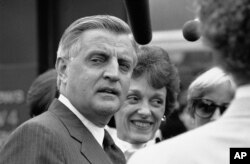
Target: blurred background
[[30, 31]]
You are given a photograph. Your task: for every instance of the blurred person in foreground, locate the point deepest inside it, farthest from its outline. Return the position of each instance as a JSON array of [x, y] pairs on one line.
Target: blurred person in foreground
[[225, 28], [209, 95], [153, 92], [42, 92], [95, 59]]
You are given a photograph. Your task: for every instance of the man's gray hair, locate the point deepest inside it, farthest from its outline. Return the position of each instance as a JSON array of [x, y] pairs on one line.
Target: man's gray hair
[[70, 41]]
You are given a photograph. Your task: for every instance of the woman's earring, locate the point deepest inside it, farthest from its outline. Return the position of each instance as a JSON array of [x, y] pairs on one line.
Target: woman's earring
[[163, 118]]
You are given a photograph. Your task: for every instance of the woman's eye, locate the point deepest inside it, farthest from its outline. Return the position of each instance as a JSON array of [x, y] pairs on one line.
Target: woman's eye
[[132, 99], [157, 102], [209, 109]]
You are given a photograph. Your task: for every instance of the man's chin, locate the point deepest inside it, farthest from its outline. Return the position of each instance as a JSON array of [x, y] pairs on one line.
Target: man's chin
[[108, 107]]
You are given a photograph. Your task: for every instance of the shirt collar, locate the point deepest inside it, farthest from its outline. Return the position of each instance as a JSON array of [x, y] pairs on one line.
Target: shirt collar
[[123, 145], [243, 91], [96, 131]]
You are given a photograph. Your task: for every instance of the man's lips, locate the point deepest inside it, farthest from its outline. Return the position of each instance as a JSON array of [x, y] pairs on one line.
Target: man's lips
[[109, 90]]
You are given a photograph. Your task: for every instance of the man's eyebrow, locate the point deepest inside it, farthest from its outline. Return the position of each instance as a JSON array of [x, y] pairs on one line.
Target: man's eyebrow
[[125, 58]]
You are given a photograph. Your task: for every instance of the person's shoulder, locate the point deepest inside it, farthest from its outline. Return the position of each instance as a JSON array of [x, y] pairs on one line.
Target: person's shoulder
[[29, 137], [39, 122], [47, 120], [44, 123], [176, 150], [43, 118]]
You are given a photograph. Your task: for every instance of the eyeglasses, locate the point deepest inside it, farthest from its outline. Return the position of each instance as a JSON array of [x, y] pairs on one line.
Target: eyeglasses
[[205, 108]]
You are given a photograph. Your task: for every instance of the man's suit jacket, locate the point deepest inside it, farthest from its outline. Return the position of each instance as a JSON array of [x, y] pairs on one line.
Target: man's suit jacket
[[209, 144], [56, 136]]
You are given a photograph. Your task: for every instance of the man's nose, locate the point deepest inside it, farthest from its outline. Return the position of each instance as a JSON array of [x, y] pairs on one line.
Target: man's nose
[[111, 71]]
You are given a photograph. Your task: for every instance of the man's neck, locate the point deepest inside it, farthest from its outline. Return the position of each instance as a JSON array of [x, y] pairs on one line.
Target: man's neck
[[97, 132]]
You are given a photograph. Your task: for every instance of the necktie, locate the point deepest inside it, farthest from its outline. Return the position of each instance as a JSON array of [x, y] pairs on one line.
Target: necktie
[[114, 153]]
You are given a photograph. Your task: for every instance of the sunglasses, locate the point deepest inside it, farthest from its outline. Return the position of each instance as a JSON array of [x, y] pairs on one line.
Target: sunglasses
[[205, 108]]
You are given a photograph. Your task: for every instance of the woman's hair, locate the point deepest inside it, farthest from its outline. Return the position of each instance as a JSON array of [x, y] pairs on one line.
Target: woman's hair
[[155, 63], [206, 82], [225, 27]]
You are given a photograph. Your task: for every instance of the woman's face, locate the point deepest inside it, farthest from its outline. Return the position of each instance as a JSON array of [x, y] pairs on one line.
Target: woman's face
[[141, 114], [212, 105]]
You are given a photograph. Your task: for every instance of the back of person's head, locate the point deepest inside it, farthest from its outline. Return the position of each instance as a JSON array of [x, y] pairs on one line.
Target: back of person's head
[[225, 27], [154, 62], [41, 92], [208, 82]]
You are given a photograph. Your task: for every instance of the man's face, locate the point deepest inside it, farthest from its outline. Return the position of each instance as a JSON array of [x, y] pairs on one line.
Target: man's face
[[98, 78], [140, 116]]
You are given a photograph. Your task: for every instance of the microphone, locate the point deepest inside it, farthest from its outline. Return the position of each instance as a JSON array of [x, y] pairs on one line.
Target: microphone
[[139, 18], [191, 30]]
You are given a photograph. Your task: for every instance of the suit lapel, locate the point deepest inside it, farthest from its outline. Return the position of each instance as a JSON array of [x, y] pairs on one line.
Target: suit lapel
[[93, 151], [90, 148]]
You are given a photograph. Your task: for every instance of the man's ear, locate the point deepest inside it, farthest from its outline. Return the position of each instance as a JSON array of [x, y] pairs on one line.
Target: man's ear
[[61, 67]]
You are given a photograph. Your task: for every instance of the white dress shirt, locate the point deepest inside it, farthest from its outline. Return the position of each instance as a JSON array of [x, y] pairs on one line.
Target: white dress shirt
[[96, 131]]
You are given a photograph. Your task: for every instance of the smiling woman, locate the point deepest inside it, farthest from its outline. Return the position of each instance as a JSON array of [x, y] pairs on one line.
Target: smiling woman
[[153, 90]]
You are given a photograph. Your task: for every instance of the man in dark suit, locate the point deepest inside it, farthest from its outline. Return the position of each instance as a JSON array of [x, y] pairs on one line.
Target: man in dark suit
[[95, 59]]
